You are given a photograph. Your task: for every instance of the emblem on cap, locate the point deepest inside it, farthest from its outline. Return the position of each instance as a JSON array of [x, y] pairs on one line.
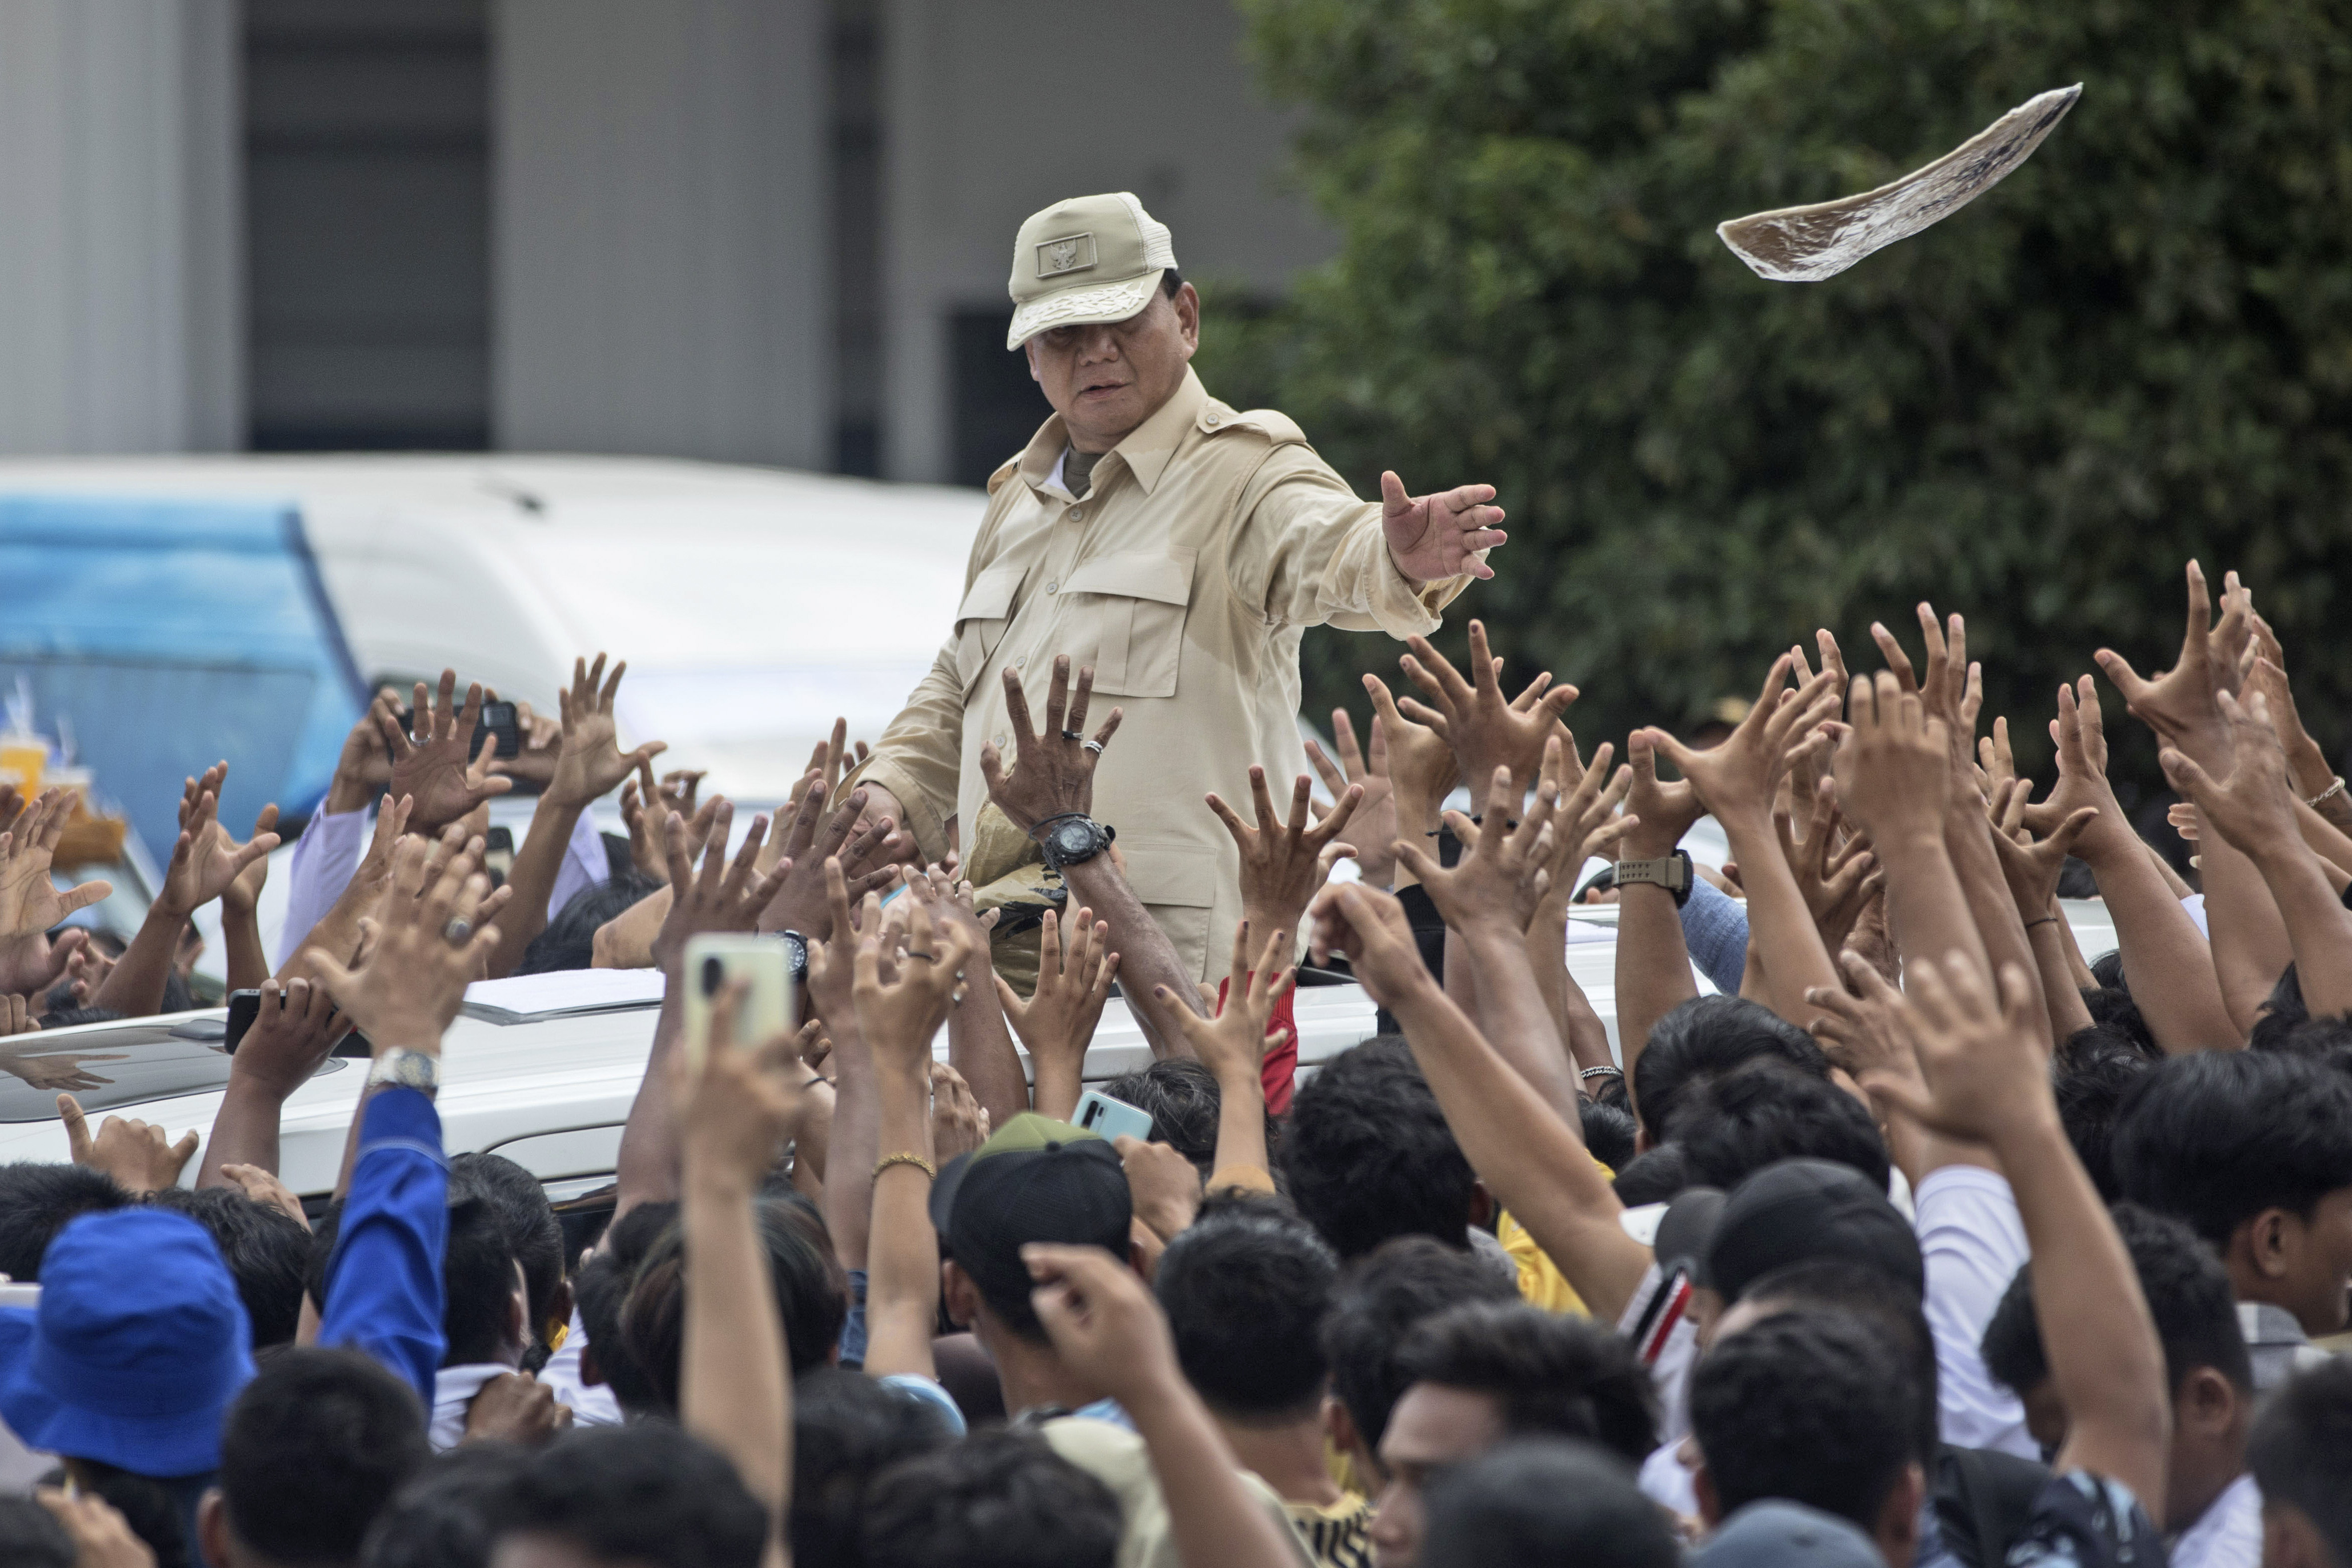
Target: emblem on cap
[[1072, 253]]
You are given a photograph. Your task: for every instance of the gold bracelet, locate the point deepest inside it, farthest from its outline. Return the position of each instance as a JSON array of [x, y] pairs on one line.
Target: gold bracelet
[[920, 1163]]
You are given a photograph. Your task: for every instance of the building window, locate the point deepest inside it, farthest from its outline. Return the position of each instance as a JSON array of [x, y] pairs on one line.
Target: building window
[[997, 406]]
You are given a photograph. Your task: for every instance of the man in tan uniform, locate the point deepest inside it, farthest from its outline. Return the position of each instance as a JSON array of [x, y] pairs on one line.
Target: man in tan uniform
[[1180, 548]]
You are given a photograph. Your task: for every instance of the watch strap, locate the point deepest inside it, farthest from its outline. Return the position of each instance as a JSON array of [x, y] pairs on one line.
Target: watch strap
[[409, 1069], [1671, 872]]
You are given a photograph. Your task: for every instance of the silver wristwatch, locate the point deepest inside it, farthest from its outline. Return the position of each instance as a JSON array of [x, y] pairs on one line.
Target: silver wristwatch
[[408, 1069]]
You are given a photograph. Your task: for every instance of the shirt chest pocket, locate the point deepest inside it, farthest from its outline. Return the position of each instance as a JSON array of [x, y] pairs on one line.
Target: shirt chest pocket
[[1134, 605], [980, 619]]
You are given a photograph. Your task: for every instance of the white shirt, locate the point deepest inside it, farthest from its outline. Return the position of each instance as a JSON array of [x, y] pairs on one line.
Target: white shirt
[[1657, 1321], [592, 1404], [2228, 1535], [1973, 1243], [454, 1388]]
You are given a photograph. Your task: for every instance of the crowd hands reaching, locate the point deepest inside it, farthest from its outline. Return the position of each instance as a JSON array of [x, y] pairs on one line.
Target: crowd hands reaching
[[1745, 1277]]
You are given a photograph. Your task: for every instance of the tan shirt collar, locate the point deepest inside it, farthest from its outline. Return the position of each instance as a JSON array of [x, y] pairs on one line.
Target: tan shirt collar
[[1146, 449]]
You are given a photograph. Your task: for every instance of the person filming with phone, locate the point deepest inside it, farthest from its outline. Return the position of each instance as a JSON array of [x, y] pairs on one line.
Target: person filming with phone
[[1177, 548]]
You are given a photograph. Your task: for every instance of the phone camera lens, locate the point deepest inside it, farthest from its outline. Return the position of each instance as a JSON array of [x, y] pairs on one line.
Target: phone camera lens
[[714, 976]]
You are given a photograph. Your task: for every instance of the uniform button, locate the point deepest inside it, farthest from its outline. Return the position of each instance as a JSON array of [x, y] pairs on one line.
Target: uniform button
[[1053, 585], [1078, 514], [1211, 422], [1021, 664]]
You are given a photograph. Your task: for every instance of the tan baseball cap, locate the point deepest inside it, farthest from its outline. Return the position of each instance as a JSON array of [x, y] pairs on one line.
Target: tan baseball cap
[[1088, 259]]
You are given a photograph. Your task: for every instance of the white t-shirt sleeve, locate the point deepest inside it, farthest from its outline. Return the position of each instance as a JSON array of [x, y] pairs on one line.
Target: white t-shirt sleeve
[[1973, 1243], [1658, 1322]]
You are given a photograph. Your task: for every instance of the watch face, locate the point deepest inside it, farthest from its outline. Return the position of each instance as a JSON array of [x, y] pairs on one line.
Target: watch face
[[1071, 839], [796, 954]]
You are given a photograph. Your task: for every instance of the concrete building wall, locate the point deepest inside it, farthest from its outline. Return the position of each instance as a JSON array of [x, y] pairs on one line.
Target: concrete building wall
[[997, 108], [120, 327], [658, 229]]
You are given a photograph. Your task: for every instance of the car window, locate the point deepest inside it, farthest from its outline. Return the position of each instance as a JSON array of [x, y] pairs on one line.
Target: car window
[[107, 1069]]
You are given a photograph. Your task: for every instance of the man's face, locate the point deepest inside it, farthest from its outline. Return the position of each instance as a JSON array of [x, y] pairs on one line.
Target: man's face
[[2318, 1280], [1433, 1427], [1104, 381]]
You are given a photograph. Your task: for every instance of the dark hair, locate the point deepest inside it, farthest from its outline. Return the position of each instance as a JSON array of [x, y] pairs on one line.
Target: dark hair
[[1369, 1157], [1655, 1175], [2112, 1008], [2326, 1038], [812, 1295], [313, 1450], [1246, 1287], [450, 1515], [1378, 1300], [2281, 1011], [570, 940], [1809, 1406], [1171, 280], [1609, 1131], [534, 1235], [1552, 1377], [599, 1293], [2217, 1136], [846, 1430], [2108, 970], [36, 1200], [160, 1509], [1704, 1038], [2188, 1294], [31, 1537], [1544, 1500], [2091, 1072], [477, 1281], [997, 1500], [1763, 1112], [265, 1250], [2301, 1451], [645, 1493], [1181, 1099], [1885, 1305]]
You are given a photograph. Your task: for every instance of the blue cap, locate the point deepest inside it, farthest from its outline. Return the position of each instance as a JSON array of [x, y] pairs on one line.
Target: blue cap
[[1775, 1533], [137, 1349]]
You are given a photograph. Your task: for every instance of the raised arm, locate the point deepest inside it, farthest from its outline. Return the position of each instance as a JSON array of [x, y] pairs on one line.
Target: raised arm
[[1894, 773], [30, 902], [1533, 1161], [1587, 824], [1986, 1082], [1233, 1046], [203, 864], [297, 1026], [1653, 969], [2032, 867], [244, 960], [1058, 1020]]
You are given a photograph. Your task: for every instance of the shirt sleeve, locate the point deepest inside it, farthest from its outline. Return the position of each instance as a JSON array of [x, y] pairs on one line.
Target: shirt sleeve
[[585, 865], [2085, 1520], [1658, 1322], [592, 1404], [1308, 553], [1714, 929], [383, 1279], [1973, 1243], [325, 856], [919, 758]]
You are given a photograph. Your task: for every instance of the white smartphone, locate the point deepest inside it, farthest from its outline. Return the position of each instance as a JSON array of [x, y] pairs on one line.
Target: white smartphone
[[718, 961], [1099, 1113]]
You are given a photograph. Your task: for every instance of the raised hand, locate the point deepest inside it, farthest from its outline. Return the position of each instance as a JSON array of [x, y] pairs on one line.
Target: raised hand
[[1586, 823], [1736, 778], [1370, 927], [138, 1155], [294, 1028], [1376, 818], [958, 1121], [2178, 704], [1893, 768], [1980, 1057], [2251, 805], [205, 861], [867, 855], [1431, 538], [723, 896], [900, 1014], [30, 902], [2033, 866], [426, 951], [1106, 1328], [1058, 1022], [1054, 774], [1422, 768], [1486, 729], [1835, 880], [734, 1104], [433, 769], [1163, 1187], [1284, 865], [1664, 812], [263, 1187], [243, 896], [1233, 1044], [591, 764], [1481, 891]]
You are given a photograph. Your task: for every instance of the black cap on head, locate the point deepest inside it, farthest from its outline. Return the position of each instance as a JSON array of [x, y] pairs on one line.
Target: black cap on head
[[1684, 1231], [1036, 1179], [1798, 1210]]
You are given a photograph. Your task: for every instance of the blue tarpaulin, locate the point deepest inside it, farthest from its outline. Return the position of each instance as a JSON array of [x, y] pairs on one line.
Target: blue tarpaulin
[[171, 635]]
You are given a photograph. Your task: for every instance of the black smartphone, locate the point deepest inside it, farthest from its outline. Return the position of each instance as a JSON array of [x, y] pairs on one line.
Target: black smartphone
[[497, 853], [243, 1007], [499, 719]]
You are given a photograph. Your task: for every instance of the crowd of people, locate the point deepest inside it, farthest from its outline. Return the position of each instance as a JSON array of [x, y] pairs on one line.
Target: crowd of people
[[1918, 1239]]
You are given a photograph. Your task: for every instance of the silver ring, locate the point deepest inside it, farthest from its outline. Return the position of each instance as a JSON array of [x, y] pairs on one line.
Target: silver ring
[[1072, 734], [458, 932], [1096, 747]]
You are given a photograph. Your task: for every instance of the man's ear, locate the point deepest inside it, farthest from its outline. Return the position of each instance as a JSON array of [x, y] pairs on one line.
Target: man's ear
[[1188, 317], [2268, 1243], [963, 1296], [1482, 1205], [2290, 1539], [212, 1526], [1340, 1430], [2205, 1402]]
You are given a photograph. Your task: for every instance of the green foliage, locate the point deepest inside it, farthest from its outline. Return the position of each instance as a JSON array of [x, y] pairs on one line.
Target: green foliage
[[2136, 349]]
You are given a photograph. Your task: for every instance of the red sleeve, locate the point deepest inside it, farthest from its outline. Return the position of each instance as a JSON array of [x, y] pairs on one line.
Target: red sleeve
[[1282, 1062]]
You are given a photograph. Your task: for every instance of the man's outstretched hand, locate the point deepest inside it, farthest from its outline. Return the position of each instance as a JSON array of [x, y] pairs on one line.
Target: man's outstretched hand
[[1431, 538]]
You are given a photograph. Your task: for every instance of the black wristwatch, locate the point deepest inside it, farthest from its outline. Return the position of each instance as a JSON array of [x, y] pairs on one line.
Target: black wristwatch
[[1072, 838], [1671, 872], [796, 954]]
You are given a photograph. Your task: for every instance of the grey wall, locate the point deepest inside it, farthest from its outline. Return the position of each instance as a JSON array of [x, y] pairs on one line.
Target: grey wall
[[119, 257], [659, 238], [997, 108]]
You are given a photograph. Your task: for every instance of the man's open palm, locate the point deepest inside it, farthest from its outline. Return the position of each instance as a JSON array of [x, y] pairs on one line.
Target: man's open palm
[[1433, 537]]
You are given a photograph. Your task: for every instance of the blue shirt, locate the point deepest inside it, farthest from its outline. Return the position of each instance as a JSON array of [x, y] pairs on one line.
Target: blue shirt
[[1714, 929], [383, 1281]]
